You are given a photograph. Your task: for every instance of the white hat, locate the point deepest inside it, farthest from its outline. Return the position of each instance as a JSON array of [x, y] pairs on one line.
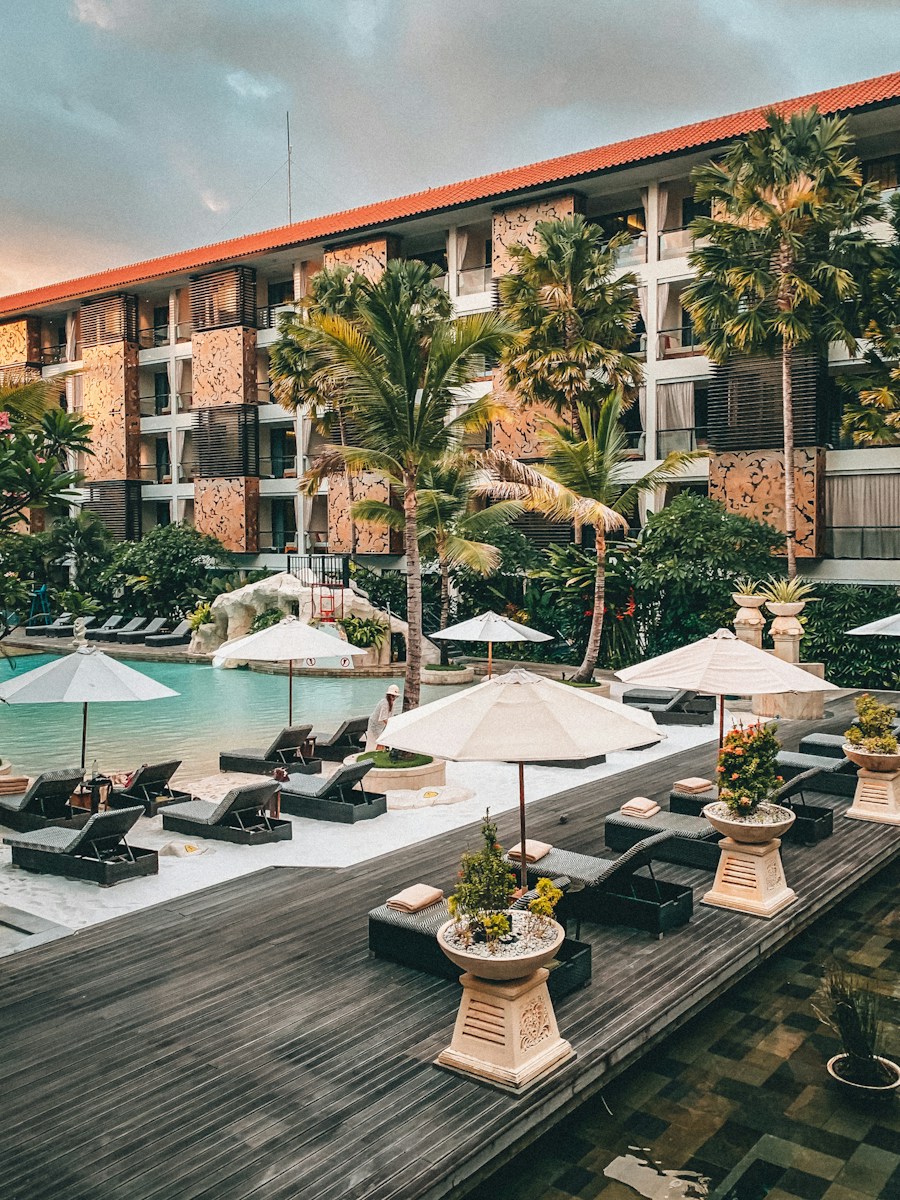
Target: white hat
[[393, 690]]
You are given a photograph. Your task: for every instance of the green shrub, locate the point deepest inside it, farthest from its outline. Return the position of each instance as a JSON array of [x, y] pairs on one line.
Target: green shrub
[[365, 631], [202, 615], [268, 617], [394, 760], [856, 662], [873, 732], [746, 769], [484, 891]]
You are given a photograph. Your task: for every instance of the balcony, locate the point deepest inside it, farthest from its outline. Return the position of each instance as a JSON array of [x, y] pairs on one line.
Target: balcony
[[862, 541], [635, 441], [267, 316], [156, 473], [680, 342], [474, 281], [284, 467], [634, 253], [184, 331], [282, 541], [678, 243], [686, 440], [156, 335], [161, 406], [51, 355]]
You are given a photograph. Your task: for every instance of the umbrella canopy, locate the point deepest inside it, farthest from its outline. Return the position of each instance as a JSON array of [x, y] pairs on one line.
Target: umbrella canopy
[[490, 627], [883, 627], [521, 717], [88, 676], [289, 641]]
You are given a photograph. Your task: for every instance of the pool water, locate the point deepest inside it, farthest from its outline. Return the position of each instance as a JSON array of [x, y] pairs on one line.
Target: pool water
[[217, 709]]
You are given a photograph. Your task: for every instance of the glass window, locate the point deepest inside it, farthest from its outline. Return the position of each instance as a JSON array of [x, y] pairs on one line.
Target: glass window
[[281, 292]]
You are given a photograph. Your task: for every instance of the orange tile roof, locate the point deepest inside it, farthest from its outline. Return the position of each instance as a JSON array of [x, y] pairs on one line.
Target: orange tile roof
[[714, 131]]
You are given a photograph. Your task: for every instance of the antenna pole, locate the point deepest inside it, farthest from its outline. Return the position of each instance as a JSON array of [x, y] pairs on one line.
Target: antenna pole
[[290, 204]]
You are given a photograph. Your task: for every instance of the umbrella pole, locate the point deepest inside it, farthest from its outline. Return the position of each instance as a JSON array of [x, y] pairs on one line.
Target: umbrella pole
[[523, 877], [490, 659], [290, 691], [84, 735], [721, 721]]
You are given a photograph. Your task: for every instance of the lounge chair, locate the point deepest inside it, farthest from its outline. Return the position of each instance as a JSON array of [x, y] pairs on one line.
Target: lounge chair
[[611, 892], [99, 633], [336, 798], [344, 740], [813, 823], [285, 751], [837, 775], [43, 628], [96, 851], [179, 636], [694, 842], [68, 629], [134, 637], [409, 939], [135, 624], [240, 817], [151, 787], [45, 802], [673, 708]]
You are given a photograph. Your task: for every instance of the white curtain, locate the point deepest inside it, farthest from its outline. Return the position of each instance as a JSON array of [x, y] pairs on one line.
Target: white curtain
[[675, 405], [662, 303], [642, 405], [71, 323], [179, 510], [662, 206], [642, 304], [651, 502], [176, 383], [863, 500], [462, 243], [178, 438]]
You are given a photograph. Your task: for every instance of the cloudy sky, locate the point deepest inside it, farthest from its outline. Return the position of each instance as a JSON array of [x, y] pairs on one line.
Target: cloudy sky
[[134, 127]]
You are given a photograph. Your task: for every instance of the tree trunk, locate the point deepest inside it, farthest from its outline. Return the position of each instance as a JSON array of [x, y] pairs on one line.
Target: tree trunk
[[586, 671], [445, 608], [351, 497], [790, 504], [413, 593]]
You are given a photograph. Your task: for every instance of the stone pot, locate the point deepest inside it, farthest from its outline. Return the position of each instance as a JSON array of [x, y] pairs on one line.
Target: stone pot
[[876, 1090], [785, 610], [870, 761], [518, 967], [447, 678], [750, 832], [744, 601]]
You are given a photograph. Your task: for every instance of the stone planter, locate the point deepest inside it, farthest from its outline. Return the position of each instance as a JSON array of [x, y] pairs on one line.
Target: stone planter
[[743, 600], [749, 622], [5, 766], [506, 1032], [877, 796], [832, 1066], [750, 875], [871, 762], [447, 678], [399, 779], [782, 609], [598, 687]]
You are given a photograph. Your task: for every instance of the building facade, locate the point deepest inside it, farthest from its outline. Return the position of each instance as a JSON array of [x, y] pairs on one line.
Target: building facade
[[168, 359]]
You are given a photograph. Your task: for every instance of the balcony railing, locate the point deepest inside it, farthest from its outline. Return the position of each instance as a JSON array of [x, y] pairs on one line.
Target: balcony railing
[[635, 441], [677, 343], [279, 542], [154, 473], [161, 406], [863, 541], [53, 354], [183, 331], [330, 570], [267, 315], [278, 468], [157, 335], [473, 282], [633, 253], [668, 440], [677, 243]]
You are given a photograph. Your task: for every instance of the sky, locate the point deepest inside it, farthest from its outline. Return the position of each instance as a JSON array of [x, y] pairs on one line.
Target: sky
[[133, 128]]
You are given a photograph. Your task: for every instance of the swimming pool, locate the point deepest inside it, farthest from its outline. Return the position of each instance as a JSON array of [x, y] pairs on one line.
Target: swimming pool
[[217, 709]]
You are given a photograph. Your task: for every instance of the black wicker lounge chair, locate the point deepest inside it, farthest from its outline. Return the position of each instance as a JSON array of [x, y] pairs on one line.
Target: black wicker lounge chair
[[67, 630], [694, 842], [96, 851], [611, 892], [340, 797], [335, 746], [179, 636], [150, 787], [286, 751], [112, 635], [837, 776], [44, 628], [673, 708], [240, 817], [100, 632], [45, 802], [813, 822], [134, 637]]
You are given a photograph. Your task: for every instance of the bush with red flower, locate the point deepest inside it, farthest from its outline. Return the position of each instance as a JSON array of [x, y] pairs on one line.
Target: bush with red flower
[[747, 768]]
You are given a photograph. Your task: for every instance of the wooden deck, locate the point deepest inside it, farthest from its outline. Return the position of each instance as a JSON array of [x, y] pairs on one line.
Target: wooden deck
[[240, 1042]]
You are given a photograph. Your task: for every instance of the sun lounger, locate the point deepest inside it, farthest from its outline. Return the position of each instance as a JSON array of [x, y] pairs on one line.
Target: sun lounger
[[344, 740], [100, 632], [45, 802], [813, 823], [694, 842], [673, 708], [612, 893], [286, 751], [837, 775], [340, 797], [150, 787], [179, 636], [135, 637], [132, 626], [96, 851], [67, 630], [43, 628], [240, 817]]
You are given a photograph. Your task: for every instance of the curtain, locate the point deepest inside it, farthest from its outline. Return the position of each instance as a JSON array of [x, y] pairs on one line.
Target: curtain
[[662, 303], [675, 405], [178, 438], [71, 322], [462, 243], [651, 502], [863, 500], [180, 509], [645, 197], [662, 206], [642, 304], [642, 405]]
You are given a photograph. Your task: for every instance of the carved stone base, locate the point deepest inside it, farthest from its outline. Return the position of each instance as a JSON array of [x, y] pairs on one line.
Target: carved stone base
[[506, 1032], [750, 879], [877, 797]]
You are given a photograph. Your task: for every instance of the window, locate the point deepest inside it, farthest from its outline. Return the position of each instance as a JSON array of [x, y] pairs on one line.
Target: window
[[161, 394], [160, 324], [284, 524], [433, 258], [281, 292], [691, 209], [631, 222], [163, 513], [163, 461]]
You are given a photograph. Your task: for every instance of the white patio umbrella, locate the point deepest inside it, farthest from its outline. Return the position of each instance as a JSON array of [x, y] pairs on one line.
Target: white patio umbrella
[[883, 627], [490, 627], [290, 641], [88, 676], [722, 665], [521, 717]]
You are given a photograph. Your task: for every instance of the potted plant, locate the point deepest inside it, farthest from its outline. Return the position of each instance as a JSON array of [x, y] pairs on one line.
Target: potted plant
[[852, 1010], [786, 597], [747, 593], [747, 779], [871, 741]]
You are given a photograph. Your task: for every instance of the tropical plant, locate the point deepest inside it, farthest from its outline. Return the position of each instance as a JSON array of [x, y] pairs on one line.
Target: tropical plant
[[541, 908], [746, 770], [788, 591], [745, 586], [853, 1011], [84, 545], [855, 662], [266, 619], [484, 891], [874, 728], [168, 571], [77, 604], [400, 366], [201, 615], [385, 590], [786, 230], [365, 631], [585, 481]]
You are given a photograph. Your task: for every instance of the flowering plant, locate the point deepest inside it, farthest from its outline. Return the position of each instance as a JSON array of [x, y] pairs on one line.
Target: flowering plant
[[484, 891], [747, 768], [874, 731]]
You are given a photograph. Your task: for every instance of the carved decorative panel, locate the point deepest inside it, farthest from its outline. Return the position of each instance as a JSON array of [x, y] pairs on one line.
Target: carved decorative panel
[[20, 342], [223, 367], [370, 539], [520, 432], [228, 509], [111, 407], [751, 483], [514, 226], [368, 258]]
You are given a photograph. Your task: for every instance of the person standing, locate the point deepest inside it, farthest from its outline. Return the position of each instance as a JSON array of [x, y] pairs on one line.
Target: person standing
[[379, 718]]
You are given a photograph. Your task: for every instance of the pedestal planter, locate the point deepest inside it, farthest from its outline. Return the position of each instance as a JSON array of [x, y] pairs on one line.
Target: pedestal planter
[[834, 1065], [749, 622], [506, 1032], [750, 875], [877, 796]]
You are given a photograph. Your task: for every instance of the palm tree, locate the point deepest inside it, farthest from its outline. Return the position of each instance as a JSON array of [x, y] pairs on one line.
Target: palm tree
[[788, 210], [585, 481], [83, 543], [398, 365]]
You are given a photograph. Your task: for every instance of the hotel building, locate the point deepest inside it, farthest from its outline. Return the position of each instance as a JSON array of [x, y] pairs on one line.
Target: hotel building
[[168, 358]]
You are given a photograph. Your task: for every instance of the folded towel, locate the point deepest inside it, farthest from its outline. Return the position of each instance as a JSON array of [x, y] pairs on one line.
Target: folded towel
[[415, 898], [633, 809], [534, 851], [692, 785], [13, 785]]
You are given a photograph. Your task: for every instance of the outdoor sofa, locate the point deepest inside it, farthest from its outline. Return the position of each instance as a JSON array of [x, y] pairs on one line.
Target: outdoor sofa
[[151, 787], [673, 708], [339, 743], [97, 850], [340, 797], [813, 822], [179, 636], [240, 816], [44, 802], [134, 637], [286, 751]]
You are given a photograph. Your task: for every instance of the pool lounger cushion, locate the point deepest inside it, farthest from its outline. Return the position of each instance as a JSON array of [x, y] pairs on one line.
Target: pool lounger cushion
[[47, 628], [68, 630], [285, 751], [239, 817], [45, 802], [98, 634], [335, 798], [813, 822], [150, 787], [695, 843], [97, 851]]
